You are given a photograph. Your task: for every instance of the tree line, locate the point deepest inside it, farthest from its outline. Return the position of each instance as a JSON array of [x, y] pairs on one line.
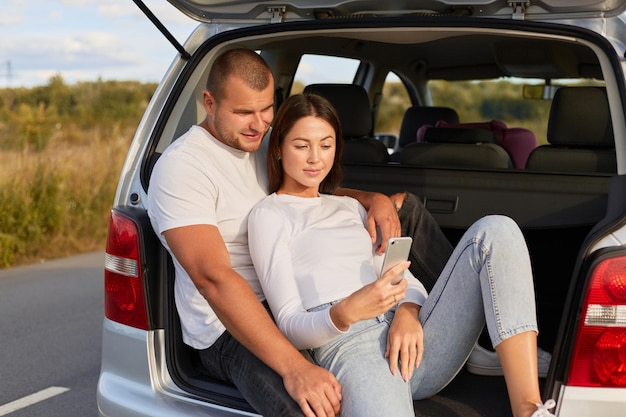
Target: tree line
[[61, 151]]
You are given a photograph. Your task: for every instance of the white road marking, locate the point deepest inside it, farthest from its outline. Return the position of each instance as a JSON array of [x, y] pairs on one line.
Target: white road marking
[[31, 399]]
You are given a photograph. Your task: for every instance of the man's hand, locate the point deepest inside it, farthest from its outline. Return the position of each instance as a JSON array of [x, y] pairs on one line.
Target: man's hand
[[382, 212], [316, 390]]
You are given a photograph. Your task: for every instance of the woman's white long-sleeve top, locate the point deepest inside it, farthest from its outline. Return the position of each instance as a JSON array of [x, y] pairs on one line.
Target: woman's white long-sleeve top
[[311, 251]]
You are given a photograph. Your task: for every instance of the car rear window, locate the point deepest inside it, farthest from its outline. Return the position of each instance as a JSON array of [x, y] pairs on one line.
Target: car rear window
[[314, 69], [501, 99]]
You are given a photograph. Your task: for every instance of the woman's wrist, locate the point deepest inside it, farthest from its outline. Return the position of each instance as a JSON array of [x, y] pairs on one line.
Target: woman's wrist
[[410, 308], [339, 316]]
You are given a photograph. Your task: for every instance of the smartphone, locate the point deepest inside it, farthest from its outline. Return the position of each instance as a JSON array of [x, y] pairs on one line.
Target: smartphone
[[397, 251]]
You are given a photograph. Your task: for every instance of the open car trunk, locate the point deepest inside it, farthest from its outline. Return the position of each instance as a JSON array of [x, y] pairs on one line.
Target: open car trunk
[[562, 214], [554, 247]]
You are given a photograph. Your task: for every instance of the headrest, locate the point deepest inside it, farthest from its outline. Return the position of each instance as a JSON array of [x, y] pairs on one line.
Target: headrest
[[458, 135], [497, 127], [518, 142], [352, 105], [580, 116], [418, 116]]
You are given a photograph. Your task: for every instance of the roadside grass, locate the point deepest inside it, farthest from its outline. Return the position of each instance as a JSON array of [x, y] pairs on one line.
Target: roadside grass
[[62, 148], [55, 198]]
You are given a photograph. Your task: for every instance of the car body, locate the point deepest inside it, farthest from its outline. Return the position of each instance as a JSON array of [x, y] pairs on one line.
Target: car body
[[569, 201]]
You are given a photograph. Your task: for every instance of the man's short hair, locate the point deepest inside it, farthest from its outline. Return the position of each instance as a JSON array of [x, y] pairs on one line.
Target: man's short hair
[[242, 63]]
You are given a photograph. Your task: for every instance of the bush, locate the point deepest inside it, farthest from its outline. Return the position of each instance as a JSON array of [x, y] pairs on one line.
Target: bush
[[9, 247], [61, 151]]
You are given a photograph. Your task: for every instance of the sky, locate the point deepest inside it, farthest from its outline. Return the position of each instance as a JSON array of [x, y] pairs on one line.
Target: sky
[[87, 40], [83, 40]]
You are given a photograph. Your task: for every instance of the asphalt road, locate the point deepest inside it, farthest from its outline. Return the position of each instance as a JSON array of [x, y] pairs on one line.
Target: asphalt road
[[50, 337]]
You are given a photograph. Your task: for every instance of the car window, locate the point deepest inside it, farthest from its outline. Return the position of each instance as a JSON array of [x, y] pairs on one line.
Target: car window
[[500, 99], [314, 69], [394, 102]]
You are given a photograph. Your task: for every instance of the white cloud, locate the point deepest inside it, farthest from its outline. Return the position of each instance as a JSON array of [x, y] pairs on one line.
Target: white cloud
[[86, 57], [79, 2], [12, 13], [117, 9], [86, 39]]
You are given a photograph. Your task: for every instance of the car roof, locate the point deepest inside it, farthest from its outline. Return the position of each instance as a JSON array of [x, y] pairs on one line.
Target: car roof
[[251, 10]]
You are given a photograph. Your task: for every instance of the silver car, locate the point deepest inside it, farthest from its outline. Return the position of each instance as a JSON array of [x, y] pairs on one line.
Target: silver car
[[477, 107]]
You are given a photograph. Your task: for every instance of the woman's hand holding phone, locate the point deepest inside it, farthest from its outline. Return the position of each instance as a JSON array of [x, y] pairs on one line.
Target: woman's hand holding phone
[[372, 300]]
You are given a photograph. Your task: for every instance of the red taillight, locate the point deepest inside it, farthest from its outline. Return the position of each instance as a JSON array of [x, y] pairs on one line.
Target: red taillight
[[124, 299], [600, 347]]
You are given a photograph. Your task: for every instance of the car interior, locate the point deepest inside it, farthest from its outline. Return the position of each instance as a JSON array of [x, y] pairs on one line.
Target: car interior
[[557, 189]]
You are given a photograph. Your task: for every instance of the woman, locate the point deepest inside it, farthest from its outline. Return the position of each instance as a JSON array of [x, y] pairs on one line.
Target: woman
[[387, 344]]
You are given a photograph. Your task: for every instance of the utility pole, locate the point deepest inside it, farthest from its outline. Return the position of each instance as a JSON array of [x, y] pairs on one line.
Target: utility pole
[[8, 98], [9, 73]]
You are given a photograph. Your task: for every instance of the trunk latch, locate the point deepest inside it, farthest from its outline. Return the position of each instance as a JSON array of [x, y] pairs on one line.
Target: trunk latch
[[277, 14], [519, 9]]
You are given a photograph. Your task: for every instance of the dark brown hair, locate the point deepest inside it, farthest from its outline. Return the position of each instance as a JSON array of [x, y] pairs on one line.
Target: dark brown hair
[[242, 63], [293, 109]]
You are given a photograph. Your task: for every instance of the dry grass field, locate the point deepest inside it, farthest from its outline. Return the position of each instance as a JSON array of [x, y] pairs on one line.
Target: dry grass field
[[61, 152], [55, 201]]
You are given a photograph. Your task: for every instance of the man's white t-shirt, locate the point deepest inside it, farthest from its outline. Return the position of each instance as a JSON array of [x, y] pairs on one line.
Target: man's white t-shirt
[[200, 180], [313, 251]]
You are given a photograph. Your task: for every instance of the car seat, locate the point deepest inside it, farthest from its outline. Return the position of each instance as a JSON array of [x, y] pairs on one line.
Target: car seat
[[580, 134], [418, 116], [456, 148], [353, 108], [518, 142]]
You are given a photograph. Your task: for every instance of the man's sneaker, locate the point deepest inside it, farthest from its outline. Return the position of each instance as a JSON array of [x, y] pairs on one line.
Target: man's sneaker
[[485, 362]]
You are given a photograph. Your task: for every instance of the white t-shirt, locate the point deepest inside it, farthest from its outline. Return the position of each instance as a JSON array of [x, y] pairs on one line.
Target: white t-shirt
[[200, 180], [312, 251]]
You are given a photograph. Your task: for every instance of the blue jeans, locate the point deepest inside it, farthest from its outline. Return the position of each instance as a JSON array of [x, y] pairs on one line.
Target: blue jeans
[[357, 360], [487, 278], [230, 361]]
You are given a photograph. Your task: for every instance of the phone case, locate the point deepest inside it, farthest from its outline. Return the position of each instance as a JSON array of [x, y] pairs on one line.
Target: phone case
[[397, 251]]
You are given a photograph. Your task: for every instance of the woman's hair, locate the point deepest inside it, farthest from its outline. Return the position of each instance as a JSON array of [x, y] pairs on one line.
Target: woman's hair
[[293, 109]]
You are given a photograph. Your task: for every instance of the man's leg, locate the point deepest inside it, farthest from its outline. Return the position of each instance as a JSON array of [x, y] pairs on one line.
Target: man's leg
[[430, 249], [229, 360]]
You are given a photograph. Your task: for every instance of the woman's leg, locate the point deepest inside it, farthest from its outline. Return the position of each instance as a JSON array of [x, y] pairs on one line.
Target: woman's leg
[[357, 360], [487, 277], [518, 356]]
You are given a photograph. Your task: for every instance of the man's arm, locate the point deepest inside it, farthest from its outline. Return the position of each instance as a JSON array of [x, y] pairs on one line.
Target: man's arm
[[202, 252], [381, 212]]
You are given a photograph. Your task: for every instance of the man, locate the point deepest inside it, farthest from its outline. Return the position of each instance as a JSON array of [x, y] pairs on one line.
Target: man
[[201, 191]]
